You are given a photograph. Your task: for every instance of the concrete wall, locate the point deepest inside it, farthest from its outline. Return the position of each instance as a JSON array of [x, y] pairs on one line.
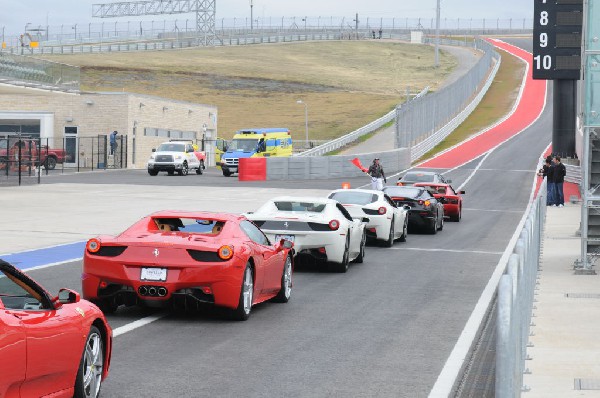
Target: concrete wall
[[324, 167], [101, 113]]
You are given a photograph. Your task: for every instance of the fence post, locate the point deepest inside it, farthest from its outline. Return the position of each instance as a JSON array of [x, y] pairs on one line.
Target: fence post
[[504, 370]]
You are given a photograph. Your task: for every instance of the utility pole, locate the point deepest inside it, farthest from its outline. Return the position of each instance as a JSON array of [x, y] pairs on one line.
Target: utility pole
[[251, 16], [437, 35]]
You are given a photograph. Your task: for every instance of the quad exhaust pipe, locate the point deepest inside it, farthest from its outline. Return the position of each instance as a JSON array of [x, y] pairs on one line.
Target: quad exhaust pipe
[[152, 291]]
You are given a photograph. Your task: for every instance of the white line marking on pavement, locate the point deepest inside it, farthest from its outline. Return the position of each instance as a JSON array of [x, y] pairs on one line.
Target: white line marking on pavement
[[476, 169], [492, 210], [52, 264], [460, 353], [447, 250], [137, 324]]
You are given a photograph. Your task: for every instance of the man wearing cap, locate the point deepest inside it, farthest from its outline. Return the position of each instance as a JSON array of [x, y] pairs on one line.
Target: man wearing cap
[[377, 175]]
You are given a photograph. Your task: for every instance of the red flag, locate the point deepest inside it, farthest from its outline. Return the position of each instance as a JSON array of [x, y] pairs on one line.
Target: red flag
[[356, 162]]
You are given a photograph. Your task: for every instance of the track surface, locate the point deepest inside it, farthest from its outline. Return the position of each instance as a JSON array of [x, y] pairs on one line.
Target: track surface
[[384, 329]]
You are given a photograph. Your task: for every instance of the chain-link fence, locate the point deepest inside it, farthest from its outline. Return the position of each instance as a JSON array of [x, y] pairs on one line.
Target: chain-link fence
[[417, 120], [26, 159]]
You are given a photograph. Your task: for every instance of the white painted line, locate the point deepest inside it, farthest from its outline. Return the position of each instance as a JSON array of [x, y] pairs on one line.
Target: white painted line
[[475, 170], [52, 264], [492, 210], [446, 250], [460, 353], [137, 324]]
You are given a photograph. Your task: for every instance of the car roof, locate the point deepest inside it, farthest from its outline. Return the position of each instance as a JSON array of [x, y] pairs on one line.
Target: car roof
[[197, 214], [313, 199]]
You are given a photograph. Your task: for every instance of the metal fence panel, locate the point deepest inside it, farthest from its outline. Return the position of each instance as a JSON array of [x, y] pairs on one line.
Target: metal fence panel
[[23, 70]]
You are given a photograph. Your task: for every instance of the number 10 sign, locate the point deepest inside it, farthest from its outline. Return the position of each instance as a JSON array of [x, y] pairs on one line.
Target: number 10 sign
[[557, 27]]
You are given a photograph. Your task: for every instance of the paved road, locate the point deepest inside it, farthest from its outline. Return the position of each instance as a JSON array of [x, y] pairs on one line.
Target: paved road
[[383, 329]]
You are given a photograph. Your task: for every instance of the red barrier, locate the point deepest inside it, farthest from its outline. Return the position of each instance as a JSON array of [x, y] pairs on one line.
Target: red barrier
[[252, 169]]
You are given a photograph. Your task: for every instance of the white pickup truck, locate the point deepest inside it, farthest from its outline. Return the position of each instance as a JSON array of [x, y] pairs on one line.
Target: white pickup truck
[[176, 156]]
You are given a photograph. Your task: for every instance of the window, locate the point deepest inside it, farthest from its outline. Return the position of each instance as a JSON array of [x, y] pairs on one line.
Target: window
[[300, 206], [171, 147], [254, 233], [354, 197], [16, 294], [243, 145], [190, 225]]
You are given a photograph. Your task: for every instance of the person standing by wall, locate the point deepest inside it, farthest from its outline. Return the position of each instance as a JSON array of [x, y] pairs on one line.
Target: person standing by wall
[[560, 171], [377, 175], [113, 142], [547, 172]]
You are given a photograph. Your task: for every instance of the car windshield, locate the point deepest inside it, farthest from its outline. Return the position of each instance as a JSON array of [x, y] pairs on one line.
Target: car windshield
[[171, 147], [406, 192], [354, 198], [189, 225], [300, 206], [242, 145], [418, 177]]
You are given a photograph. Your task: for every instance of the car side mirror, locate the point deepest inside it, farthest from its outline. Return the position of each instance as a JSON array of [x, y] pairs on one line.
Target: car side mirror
[[365, 219], [406, 207], [153, 149], [68, 296], [448, 181], [284, 244], [462, 192]]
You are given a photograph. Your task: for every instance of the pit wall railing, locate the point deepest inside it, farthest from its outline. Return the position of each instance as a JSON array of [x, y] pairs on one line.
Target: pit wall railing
[[424, 123], [516, 291]]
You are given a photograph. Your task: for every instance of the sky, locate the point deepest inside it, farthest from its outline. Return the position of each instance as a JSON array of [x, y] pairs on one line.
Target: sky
[[15, 14]]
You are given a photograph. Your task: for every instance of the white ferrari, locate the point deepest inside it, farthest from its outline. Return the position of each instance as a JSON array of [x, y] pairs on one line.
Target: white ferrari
[[387, 222], [319, 227]]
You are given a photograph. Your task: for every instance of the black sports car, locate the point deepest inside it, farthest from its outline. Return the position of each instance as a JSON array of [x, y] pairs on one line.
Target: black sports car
[[425, 210]]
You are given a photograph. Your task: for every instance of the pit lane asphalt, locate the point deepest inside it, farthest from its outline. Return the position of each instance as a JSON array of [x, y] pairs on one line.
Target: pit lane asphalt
[[383, 329]]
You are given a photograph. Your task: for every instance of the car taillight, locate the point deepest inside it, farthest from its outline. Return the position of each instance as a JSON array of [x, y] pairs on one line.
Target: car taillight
[[427, 203], [225, 252], [334, 225], [93, 245], [421, 202], [399, 184], [382, 210]]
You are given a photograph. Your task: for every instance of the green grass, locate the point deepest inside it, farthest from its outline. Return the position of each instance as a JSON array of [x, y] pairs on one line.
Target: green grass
[[346, 84]]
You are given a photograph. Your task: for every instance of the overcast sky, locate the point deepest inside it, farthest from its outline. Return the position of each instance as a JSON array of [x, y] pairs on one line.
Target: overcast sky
[[15, 14]]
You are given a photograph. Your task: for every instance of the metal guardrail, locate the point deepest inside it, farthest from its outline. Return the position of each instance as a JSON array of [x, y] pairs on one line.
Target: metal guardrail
[[515, 302], [573, 174], [23, 70], [356, 134], [422, 124]]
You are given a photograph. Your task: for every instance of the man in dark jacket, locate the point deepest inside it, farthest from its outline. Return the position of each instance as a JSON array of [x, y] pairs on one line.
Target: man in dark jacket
[[377, 175], [560, 171], [547, 172]]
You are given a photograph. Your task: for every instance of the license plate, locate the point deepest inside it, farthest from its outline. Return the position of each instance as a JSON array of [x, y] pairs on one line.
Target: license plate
[[286, 237], [154, 274]]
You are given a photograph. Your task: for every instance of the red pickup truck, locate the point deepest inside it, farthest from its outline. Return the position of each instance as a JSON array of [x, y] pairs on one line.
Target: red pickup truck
[[31, 153]]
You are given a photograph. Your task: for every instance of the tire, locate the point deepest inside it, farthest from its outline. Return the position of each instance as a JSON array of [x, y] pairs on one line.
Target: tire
[[89, 376], [404, 230], [390, 241], [441, 224], [50, 163], [343, 266], [361, 255], [286, 282], [184, 170], [242, 312], [457, 217], [433, 227], [226, 173], [200, 168], [153, 173]]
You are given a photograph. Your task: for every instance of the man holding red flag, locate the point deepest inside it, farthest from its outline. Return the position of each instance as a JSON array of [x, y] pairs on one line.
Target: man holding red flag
[[377, 175]]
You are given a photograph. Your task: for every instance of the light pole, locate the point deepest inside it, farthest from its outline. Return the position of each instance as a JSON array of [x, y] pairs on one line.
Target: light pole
[[305, 119], [251, 16]]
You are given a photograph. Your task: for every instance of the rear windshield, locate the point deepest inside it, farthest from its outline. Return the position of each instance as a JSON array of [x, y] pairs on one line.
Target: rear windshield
[[171, 147], [354, 198], [300, 206], [189, 225], [417, 177], [406, 192]]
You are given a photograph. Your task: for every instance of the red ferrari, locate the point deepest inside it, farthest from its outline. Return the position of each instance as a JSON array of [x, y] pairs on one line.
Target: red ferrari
[[49, 346], [185, 259], [451, 199]]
